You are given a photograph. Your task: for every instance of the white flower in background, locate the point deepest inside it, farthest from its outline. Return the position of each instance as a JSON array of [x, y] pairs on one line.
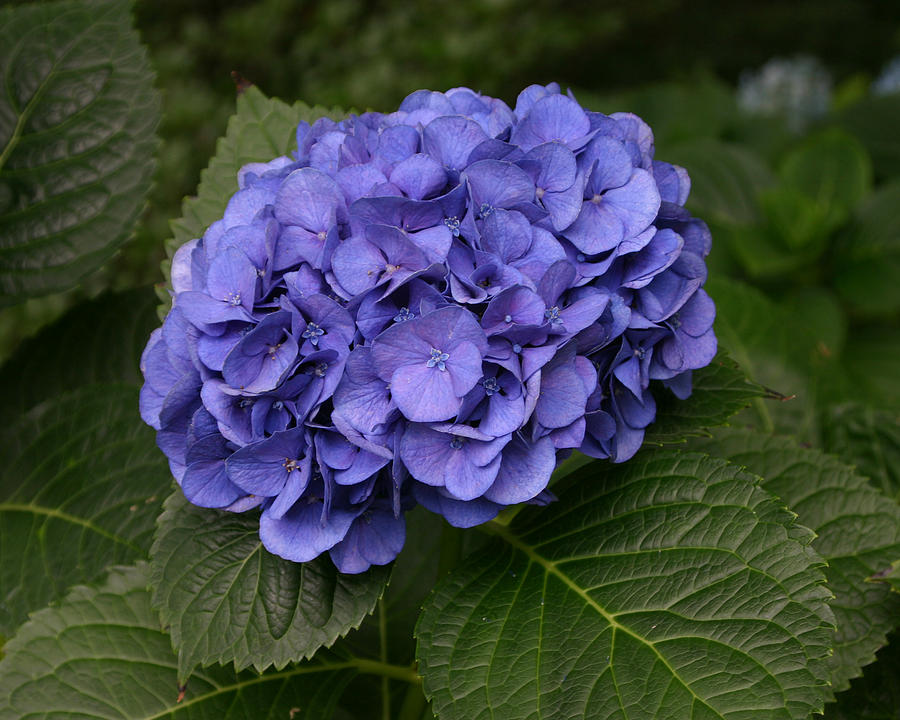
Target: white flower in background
[[798, 88]]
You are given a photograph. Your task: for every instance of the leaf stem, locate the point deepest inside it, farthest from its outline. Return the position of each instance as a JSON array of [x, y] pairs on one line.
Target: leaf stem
[[404, 673], [383, 654]]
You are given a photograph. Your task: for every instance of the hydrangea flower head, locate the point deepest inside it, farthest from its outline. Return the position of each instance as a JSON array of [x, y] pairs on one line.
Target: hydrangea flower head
[[432, 306]]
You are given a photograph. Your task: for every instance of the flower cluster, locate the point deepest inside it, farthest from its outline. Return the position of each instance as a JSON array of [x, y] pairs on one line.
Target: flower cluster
[[797, 89], [431, 306]]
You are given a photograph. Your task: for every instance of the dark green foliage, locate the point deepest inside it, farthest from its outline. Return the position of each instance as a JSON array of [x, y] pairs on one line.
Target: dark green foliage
[[226, 599], [77, 132], [102, 654], [648, 592], [858, 534]]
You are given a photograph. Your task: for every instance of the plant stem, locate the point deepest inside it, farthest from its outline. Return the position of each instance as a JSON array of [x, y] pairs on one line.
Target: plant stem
[[405, 673], [383, 652], [414, 703]]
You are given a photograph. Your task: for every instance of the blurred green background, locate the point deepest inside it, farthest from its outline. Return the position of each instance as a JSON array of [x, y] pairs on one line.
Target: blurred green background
[[677, 63]]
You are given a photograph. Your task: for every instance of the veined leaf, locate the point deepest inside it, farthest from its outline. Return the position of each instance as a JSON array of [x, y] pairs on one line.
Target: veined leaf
[[858, 534], [833, 169], [101, 654], [669, 588], [81, 479], [77, 138], [81, 483], [720, 390], [98, 341], [225, 598], [868, 438]]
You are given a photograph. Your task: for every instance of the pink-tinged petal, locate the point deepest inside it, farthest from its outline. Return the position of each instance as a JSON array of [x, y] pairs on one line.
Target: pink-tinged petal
[[524, 472], [425, 394]]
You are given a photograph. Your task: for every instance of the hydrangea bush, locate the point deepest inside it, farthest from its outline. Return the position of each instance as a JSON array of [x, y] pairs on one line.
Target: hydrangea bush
[[430, 306], [442, 396]]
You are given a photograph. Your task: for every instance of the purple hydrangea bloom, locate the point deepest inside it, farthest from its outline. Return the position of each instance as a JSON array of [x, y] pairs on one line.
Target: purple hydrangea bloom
[[432, 306]]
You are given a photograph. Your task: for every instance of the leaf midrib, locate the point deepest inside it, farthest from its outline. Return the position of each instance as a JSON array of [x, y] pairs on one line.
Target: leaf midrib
[[25, 114], [550, 567], [72, 519]]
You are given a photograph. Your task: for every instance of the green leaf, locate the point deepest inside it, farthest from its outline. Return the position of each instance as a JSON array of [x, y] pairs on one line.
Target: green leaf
[[858, 534], [226, 599], [77, 138], [669, 587], [874, 696], [725, 179], [790, 347], [873, 121], [833, 170], [871, 366], [868, 438], [98, 341], [719, 391], [261, 129], [81, 483], [890, 575], [868, 257], [102, 654]]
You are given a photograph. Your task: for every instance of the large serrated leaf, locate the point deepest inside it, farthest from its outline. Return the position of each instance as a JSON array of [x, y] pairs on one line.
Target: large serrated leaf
[[98, 341], [77, 138], [81, 479], [858, 534], [226, 599], [261, 129], [668, 588], [720, 390], [101, 654], [81, 483]]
